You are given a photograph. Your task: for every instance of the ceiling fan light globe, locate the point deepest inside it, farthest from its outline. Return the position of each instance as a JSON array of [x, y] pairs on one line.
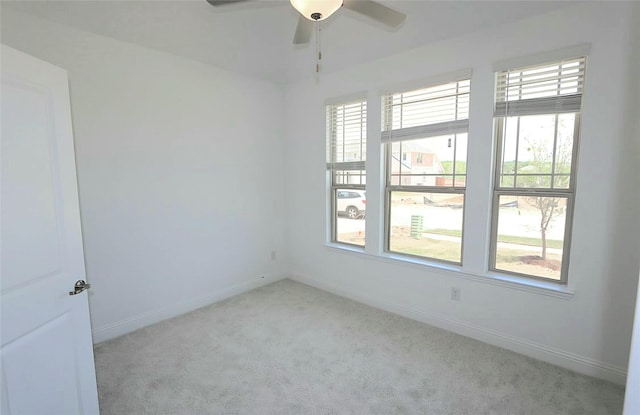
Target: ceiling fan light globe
[[325, 8]]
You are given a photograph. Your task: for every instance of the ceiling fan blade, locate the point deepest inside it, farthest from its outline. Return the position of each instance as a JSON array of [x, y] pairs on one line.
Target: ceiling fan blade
[[376, 11], [303, 31], [224, 2]]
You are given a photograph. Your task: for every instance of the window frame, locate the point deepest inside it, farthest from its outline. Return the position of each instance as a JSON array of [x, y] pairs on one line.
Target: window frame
[[387, 152], [334, 187], [568, 193]]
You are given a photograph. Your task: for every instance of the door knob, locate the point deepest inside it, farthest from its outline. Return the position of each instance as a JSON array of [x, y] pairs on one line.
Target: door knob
[[79, 287]]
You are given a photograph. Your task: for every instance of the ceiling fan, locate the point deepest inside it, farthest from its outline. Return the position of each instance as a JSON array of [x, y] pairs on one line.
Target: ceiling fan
[[316, 10]]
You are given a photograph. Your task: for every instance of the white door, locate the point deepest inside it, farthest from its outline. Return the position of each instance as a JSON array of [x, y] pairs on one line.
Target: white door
[[46, 353]]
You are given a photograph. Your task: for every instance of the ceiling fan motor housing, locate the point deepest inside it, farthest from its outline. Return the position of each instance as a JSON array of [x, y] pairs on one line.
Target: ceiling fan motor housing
[[316, 9]]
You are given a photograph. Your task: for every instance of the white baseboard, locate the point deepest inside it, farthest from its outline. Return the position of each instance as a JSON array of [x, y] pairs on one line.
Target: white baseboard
[[568, 360], [120, 328]]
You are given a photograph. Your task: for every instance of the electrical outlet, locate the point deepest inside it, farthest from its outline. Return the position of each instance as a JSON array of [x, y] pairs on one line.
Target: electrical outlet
[[455, 294], [273, 255]]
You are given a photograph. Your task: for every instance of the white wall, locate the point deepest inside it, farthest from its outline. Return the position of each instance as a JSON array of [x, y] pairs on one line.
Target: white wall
[[179, 174], [632, 399], [589, 331]]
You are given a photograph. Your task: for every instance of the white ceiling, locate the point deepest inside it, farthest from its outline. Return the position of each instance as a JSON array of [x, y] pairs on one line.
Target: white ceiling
[[255, 38]]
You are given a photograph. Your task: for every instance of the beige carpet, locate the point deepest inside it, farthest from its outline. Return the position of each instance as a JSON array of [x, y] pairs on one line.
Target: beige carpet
[[287, 348]]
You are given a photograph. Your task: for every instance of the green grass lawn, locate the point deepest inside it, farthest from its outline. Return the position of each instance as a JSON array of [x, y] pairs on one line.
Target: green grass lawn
[[508, 258], [512, 239], [429, 248]]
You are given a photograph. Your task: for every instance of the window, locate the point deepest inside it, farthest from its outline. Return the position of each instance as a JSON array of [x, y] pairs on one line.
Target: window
[[537, 120], [346, 155], [425, 132]]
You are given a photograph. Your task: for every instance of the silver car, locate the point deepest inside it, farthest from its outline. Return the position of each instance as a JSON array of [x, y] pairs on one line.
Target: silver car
[[351, 202]]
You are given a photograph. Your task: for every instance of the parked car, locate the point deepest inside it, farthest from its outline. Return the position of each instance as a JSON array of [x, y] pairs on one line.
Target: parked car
[[352, 203]]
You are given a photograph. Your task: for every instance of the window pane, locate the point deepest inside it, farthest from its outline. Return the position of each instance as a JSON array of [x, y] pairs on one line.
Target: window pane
[[531, 235], [427, 224], [508, 181], [561, 181], [350, 177], [509, 151], [430, 161], [397, 161], [349, 211], [564, 150], [534, 181], [535, 146], [436, 180], [537, 151], [461, 153]]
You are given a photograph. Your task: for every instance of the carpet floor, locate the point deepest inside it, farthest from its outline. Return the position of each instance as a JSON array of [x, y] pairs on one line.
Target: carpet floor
[[287, 348]]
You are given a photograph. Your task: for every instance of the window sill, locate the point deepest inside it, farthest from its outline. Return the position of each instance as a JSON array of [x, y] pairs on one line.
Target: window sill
[[548, 289], [339, 247]]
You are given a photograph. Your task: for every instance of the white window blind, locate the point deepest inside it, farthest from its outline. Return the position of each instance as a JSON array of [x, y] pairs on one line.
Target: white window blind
[[540, 89], [347, 136], [428, 112]]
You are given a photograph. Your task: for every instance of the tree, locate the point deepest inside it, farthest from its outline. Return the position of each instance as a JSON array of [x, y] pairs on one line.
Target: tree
[[544, 170], [548, 207]]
